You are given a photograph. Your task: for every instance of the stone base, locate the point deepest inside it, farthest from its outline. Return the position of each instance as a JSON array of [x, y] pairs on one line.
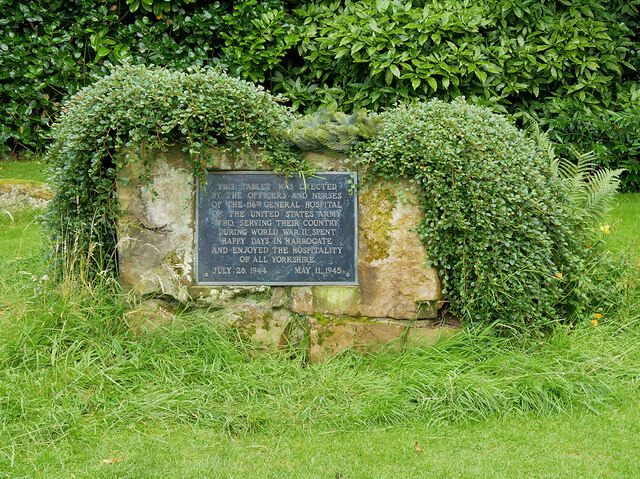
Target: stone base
[[150, 315], [259, 325], [21, 194], [331, 336], [156, 249], [316, 337], [156, 255]]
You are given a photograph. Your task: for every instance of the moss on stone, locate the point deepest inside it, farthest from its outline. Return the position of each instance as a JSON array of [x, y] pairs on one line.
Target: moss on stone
[[260, 294], [267, 318], [322, 319], [364, 319], [427, 306], [173, 259], [337, 299], [326, 320], [379, 206], [337, 320], [323, 334]]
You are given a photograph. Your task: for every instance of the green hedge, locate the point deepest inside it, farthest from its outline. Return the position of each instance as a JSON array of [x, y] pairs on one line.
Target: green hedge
[[572, 64], [566, 63], [50, 50]]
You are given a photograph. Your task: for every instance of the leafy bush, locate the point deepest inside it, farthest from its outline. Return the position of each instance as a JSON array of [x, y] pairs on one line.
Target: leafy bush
[[498, 223], [260, 37], [600, 281], [53, 49], [613, 134], [591, 192], [571, 64], [145, 109], [375, 52]]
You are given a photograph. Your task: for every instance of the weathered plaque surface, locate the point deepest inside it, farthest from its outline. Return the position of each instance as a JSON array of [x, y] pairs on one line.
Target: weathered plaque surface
[[262, 228]]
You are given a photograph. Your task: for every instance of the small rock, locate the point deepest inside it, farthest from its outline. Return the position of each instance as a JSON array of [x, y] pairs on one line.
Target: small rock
[[150, 315]]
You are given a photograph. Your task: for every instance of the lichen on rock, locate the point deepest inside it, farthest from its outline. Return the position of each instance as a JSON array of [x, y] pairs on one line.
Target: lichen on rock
[[376, 206]]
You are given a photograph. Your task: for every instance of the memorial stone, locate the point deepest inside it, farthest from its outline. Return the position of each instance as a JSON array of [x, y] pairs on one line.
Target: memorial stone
[[357, 272]]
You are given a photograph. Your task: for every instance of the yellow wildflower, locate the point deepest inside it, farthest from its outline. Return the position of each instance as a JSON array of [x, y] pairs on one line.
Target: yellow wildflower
[[558, 275], [597, 315], [605, 229], [594, 322]]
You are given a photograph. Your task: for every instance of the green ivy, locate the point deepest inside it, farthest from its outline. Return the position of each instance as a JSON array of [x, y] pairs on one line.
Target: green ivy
[[497, 223], [136, 108]]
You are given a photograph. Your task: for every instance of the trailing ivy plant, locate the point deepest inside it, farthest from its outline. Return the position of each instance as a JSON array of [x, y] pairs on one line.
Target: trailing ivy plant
[[137, 108], [497, 223]]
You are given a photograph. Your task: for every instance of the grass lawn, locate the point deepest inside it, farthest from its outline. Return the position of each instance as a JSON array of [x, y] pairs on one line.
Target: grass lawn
[[23, 170], [20, 233], [625, 221], [577, 445], [80, 397]]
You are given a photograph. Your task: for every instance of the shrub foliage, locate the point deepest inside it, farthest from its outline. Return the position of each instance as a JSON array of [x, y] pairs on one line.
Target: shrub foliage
[[498, 224], [572, 64], [541, 57], [53, 49], [137, 108]]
